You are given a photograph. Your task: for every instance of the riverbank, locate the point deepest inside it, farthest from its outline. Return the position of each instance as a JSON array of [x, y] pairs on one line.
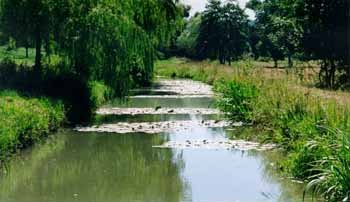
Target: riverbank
[[24, 121], [311, 125], [33, 105], [27, 119]]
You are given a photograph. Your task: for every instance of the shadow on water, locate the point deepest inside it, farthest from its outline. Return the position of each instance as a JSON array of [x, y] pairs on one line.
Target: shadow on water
[[106, 119], [165, 102]]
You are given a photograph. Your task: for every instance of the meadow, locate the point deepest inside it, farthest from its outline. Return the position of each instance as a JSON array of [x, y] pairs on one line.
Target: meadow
[[311, 125]]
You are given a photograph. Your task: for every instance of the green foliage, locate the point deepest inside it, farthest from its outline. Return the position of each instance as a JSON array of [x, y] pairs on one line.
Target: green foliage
[[24, 121], [222, 32], [80, 99], [113, 41], [326, 37], [277, 29], [86, 43], [27, 21], [237, 99], [333, 172], [100, 93], [17, 55], [306, 127], [186, 42], [125, 53]]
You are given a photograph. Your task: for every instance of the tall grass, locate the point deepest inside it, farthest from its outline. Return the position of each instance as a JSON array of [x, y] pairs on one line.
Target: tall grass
[[236, 99], [332, 178], [24, 121], [287, 112]]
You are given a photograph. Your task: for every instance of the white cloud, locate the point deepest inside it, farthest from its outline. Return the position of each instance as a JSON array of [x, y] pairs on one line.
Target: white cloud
[[199, 5]]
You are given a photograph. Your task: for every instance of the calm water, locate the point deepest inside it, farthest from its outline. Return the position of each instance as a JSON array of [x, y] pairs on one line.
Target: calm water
[[100, 167]]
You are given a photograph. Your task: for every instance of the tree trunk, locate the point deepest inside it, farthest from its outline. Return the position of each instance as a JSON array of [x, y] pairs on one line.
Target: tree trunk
[[221, 59], [27, 54], [290, 62], [332, 74], [276, 63], [37, 65]]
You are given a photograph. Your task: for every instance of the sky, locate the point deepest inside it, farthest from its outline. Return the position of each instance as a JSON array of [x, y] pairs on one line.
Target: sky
[[199, 5]]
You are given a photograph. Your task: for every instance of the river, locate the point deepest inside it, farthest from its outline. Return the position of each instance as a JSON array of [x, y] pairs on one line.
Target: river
[[166, 144]]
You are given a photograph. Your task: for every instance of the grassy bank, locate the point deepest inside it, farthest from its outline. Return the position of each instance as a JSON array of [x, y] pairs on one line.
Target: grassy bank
[[32, 105], [24, 120], [311, 125]]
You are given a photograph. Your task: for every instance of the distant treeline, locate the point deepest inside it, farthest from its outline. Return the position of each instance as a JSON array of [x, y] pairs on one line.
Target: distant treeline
[[300, 29]]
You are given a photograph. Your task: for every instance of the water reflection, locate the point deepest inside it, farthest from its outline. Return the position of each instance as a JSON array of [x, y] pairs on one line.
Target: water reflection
[[164, 102], [125, 168], [97, 168], [232, 175]]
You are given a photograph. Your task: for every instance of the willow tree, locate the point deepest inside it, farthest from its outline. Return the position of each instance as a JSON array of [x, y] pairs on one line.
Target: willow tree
[[109, 40], [115, 40]]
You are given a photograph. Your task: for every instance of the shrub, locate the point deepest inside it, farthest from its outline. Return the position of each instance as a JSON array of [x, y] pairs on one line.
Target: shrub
[[24, 121], [237, 99], [100, 93], [332, 178]]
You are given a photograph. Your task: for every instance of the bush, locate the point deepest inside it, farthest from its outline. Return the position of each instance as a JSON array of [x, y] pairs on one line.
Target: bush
[[237, 99], [24, 121], [100, 93]]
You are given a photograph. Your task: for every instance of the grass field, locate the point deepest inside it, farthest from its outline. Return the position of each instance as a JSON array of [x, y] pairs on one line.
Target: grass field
[[311, 125]]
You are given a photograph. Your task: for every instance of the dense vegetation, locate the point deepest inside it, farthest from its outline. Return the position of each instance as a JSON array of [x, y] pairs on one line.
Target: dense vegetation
[[80, 52], [296, 30], [76, 54], [222, 32], [311, 128], [109, 41], [313, 131], [24, 121]]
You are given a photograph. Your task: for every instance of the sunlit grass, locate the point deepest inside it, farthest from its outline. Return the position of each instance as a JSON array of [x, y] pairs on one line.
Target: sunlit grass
[[24, 121], [289, 110]]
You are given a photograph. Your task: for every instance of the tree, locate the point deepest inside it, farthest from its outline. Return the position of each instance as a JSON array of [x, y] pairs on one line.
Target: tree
[[253, 39], [27, 20], [113, 41], [326, 37], [222, 32], [277, 28], [186, 42]]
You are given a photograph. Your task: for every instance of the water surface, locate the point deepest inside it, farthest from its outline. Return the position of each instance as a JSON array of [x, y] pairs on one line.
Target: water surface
[[100, 167]]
